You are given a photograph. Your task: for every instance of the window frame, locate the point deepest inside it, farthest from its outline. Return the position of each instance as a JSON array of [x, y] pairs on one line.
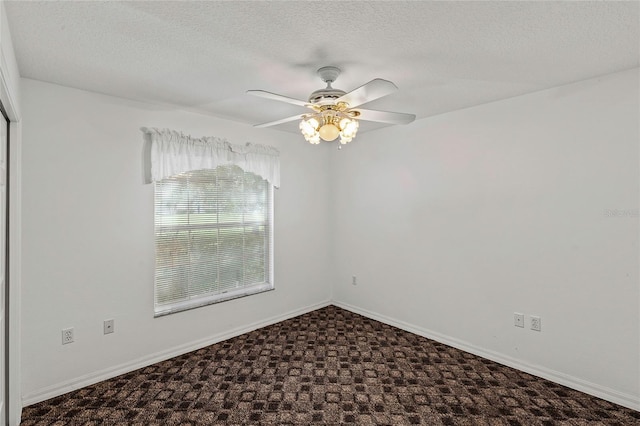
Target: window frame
[[198, 301]]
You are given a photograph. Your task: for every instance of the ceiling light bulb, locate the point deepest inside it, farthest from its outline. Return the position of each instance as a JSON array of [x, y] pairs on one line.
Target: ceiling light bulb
[[329, 132]]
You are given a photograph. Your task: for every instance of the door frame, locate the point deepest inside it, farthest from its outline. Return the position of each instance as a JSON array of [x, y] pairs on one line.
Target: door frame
[[9, 82], [7, 293]]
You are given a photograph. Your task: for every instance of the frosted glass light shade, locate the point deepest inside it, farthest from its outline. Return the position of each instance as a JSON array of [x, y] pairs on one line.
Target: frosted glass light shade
[[315, 139], [309, 129], [349, 128], [329, 132]]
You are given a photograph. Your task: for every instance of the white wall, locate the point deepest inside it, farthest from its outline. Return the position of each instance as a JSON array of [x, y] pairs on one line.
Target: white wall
[[453, 223], [88, 247]]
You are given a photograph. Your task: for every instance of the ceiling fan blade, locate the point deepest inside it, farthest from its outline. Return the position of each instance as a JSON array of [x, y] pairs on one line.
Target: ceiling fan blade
[[275, 97], [385, 117], [284, 120], [368, 92]]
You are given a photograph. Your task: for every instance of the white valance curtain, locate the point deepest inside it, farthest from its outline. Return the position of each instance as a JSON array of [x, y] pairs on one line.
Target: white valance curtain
[[172, 153]]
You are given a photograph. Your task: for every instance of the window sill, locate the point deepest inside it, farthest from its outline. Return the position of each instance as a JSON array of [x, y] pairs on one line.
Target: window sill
[[161, 311]]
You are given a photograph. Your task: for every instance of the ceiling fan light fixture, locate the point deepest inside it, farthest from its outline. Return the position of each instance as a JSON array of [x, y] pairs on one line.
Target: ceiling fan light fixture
[[327, 126], [333, 111]]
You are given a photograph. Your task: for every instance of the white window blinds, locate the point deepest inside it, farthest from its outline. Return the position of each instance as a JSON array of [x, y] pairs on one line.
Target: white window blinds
[[213, 231]]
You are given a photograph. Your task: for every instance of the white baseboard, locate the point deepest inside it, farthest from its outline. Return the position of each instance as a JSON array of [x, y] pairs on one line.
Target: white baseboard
[[111, 372], [626, 400]]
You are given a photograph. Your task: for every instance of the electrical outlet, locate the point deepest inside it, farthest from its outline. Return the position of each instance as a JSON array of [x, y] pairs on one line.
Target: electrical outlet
[[518, 319], [536, 323], [67, 336], [354, 280], [108, 326]]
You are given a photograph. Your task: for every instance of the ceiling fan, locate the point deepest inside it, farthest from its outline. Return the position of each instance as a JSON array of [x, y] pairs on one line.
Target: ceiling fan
[[335, 112]]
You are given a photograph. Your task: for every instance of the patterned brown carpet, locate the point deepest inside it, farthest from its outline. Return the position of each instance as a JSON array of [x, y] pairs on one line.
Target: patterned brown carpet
[[327, 367]]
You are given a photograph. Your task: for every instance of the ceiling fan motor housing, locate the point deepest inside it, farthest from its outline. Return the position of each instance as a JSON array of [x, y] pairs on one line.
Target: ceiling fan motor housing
[[327, 95]]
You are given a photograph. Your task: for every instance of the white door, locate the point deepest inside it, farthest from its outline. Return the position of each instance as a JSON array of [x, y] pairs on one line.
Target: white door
[[4, 140]]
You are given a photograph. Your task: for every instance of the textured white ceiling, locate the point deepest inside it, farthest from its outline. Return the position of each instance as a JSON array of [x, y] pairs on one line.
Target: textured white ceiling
[[204, 55]]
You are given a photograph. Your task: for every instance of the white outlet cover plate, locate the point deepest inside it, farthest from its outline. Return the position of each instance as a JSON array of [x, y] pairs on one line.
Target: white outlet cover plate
[[518, 319], [108, 326], [536, 323], [67, 336]]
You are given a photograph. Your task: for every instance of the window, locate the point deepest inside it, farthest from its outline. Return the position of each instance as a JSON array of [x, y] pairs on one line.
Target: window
[[214, 237], [213, 218]]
